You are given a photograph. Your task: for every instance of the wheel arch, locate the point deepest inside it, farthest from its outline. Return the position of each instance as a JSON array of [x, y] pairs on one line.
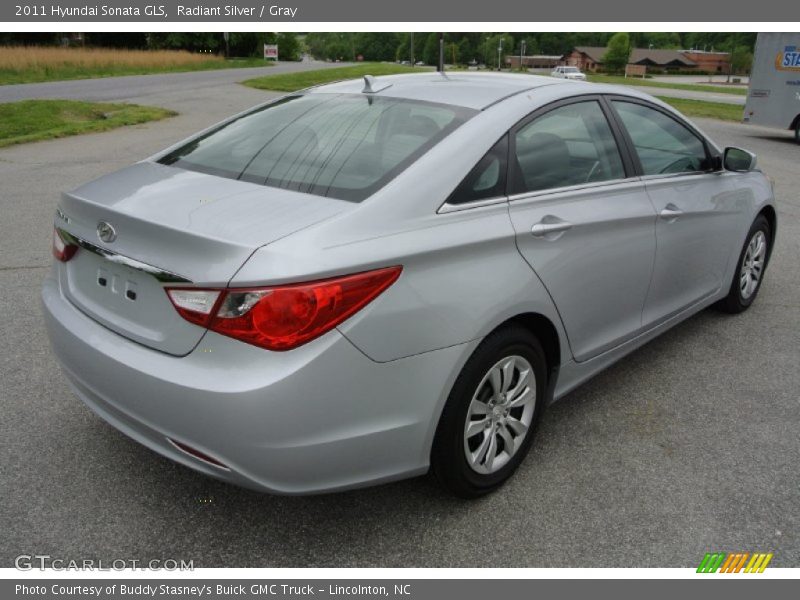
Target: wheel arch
[[547, 333], [772, 218]]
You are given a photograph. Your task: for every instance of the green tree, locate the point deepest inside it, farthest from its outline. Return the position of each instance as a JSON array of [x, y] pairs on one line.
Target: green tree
[[288, 46], [617, 53], [430, 52], [467, 50], [490, 45], [377, 45], [656, 39], [331, 46], [741, 60], [193, 42]]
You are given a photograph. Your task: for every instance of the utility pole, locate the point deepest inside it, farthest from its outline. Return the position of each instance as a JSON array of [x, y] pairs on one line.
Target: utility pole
[[227, 37], [441, 53], [730, 58], [499, 53], [412, 49], [522, 45]]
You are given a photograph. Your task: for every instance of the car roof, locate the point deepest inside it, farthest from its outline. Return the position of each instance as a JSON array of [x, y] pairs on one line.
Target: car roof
[[468, 89]]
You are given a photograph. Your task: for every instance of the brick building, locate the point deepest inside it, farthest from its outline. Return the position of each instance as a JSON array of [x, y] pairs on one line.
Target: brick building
[[535, 61], [590, 58], [711, 62]]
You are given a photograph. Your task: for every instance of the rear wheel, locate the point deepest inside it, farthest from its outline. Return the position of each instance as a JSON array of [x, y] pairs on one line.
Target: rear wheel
[[487, 424], [750, 270]]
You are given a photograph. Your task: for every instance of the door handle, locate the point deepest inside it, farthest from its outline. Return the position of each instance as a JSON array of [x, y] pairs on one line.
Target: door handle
[[543, 228], [670, 212]]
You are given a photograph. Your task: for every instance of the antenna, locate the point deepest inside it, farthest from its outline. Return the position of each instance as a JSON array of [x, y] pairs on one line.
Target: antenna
[[371, 85]]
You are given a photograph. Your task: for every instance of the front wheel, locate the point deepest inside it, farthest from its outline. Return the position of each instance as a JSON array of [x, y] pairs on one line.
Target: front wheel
[[487, 424], [751, 267]]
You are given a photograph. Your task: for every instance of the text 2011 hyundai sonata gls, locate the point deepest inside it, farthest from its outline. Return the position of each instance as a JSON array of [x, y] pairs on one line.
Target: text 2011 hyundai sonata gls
[[361, 281]]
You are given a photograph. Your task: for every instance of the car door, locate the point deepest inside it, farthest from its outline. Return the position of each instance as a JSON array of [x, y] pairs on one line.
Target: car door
[[583, 221], [698, 213]]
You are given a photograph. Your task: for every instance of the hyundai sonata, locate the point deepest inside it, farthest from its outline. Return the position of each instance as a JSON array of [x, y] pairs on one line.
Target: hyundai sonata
[[366, 280]]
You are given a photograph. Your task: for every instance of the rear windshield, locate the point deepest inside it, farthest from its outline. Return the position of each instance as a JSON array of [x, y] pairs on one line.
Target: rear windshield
[[344, 146]]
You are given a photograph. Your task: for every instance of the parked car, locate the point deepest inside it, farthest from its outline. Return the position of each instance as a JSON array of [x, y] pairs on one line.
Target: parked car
[[366, 280], [568, 73]]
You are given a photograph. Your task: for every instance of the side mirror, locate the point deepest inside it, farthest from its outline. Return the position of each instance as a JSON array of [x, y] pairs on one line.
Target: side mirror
[[736, 159]]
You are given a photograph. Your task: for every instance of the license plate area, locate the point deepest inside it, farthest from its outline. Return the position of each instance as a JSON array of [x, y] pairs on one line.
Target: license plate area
[[128, 301]]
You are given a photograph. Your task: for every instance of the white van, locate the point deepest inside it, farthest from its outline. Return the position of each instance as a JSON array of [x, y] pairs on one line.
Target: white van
[[773, 98]]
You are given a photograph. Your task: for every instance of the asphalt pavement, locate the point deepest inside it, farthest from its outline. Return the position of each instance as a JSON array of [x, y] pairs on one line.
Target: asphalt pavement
[[688, 445]]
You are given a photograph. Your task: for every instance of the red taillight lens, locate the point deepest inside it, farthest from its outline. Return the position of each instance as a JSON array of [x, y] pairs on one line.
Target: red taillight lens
[[282, 317], [62, 250]]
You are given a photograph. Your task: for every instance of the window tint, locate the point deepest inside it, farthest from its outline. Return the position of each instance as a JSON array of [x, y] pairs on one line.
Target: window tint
[[345, 146], [662, 144], [487, 179], [566, 146]]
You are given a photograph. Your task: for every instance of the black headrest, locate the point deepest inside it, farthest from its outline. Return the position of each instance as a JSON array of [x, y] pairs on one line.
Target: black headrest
[[543, 160]]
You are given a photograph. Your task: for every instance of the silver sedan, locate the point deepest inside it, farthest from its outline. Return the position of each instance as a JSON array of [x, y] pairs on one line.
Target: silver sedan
[[368, 280]]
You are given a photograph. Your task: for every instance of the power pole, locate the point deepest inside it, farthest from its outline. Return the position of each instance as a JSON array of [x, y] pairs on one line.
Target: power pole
[[412, 49], [441, 53], [499, 53], [522, 45]]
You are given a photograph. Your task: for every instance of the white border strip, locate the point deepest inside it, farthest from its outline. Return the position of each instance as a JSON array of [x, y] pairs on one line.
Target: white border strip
[[395, 573], [510, 27]]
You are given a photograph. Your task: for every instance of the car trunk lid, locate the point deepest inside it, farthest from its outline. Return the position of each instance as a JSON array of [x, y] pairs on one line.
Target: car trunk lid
[[170, 227]]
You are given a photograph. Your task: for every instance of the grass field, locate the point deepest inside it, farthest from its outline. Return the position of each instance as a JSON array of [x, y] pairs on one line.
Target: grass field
[[33, 64], [695, 87], [290, 82], [34, 120], [706, 110]]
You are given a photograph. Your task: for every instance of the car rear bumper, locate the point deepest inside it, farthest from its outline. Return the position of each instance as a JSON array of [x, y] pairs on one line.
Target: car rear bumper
[[322, 417]]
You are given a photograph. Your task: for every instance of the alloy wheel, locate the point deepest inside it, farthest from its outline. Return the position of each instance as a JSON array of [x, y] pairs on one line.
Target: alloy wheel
[[500, 414], [752, 264]]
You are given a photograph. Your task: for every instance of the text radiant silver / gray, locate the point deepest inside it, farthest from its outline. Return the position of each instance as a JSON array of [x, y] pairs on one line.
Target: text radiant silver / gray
[[365, 280]]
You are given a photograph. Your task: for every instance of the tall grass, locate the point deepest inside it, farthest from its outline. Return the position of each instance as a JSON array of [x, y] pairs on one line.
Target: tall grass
[[28, 64]]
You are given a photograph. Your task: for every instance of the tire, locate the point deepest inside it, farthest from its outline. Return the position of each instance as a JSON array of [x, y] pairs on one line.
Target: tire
[[739, 297], [797, 133], [505, 412]]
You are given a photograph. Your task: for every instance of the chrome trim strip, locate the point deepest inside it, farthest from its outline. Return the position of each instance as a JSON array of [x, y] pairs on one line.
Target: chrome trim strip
[[449, 208], [683, 174], [161, 275], [573, 188]]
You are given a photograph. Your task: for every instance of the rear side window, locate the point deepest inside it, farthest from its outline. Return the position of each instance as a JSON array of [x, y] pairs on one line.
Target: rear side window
[[487, 179], [566, 146], [662, 144], [344, 146]]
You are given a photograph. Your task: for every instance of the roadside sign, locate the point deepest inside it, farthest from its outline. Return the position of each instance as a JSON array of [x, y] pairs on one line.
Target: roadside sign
[[271, 51], [635, 71]]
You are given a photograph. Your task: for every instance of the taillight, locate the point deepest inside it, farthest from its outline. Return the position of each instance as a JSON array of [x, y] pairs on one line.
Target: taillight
[[62, 250], [282, 317], [194, 305]]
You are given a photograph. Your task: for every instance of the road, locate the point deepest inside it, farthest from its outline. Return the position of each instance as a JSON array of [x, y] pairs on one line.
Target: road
[[693, 95], [688, 445], [678, 93], [704, 79], [175, 88]]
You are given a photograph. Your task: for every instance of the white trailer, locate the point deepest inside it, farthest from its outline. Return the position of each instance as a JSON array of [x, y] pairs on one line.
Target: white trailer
[[773, 97]]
